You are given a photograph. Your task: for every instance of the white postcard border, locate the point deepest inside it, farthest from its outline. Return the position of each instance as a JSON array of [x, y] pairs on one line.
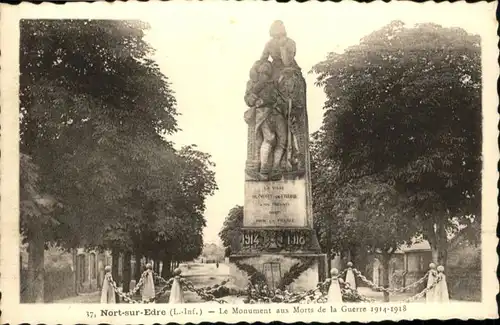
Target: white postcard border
[[14, 312]]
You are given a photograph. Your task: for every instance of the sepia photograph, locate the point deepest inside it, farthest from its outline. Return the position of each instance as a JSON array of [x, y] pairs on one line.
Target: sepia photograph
[[250, 158]]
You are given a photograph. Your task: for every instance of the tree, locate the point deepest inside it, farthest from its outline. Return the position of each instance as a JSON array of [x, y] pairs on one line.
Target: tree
[[405, 105], [94, 109], [214, 252], [166, 238], [87, 86], [231, 229], [364, 216], [376, 215], [95, 112], [197, 181], [36, 209]]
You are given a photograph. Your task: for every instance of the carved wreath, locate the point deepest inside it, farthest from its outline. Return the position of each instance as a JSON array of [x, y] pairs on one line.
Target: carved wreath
[[295, 271]]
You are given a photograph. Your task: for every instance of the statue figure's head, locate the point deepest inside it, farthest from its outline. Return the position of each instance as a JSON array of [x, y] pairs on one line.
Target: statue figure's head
[[277, 29], [266, 68], [261, 70]]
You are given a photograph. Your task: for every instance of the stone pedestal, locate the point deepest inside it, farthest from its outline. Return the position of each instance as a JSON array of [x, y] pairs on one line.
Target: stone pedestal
[[281, 257], [277, 244]]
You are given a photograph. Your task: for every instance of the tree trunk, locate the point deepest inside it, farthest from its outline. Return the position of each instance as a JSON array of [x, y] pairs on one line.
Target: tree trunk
[[127, 271], [360, 260], [101, 264], [439, 246], [157, 266], [115, 256], [36, 251], [443, 244], [138, 261], [328, 248], [166, 269], [386, 257], [440, 254], [74, 268], [328, 263]]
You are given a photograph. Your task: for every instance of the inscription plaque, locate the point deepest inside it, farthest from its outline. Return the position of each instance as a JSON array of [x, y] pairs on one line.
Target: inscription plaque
[[275, 204], [275, 240]]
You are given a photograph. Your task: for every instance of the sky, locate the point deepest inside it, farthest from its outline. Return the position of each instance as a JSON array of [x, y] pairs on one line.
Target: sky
[[208, 64], [206, 49]]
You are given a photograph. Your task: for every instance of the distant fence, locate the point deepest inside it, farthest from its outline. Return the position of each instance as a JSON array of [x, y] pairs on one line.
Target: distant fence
[[58, 284]]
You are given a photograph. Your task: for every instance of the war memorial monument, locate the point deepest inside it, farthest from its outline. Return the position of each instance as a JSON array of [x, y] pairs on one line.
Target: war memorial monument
[[277, 244]]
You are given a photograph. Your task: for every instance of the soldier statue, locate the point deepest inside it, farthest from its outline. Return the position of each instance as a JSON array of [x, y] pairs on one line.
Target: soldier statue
[[277, 118]]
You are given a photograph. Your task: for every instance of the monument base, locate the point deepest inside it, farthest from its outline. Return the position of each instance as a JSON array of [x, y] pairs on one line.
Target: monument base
[[281, 258], [293, 271]]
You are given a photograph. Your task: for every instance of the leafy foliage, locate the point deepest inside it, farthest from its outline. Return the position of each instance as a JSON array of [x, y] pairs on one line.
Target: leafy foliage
[[402, 106], [406, 103], [35, 206], [232, 226], [255, 277], [113, 60], [364, 214], [95, 110]]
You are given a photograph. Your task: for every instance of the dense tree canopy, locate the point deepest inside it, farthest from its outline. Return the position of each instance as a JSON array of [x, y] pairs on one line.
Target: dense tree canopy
[[231, 228], [95, 111], [34, 206], [406, 102], [113, 59], [92, 107], [364, 213], [404, 106]]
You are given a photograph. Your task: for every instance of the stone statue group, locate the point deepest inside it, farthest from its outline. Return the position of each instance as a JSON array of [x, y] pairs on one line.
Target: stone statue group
[[277, 115]]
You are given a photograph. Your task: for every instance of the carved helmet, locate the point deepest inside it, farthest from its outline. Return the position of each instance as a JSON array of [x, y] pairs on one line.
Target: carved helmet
[[266, 68]]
